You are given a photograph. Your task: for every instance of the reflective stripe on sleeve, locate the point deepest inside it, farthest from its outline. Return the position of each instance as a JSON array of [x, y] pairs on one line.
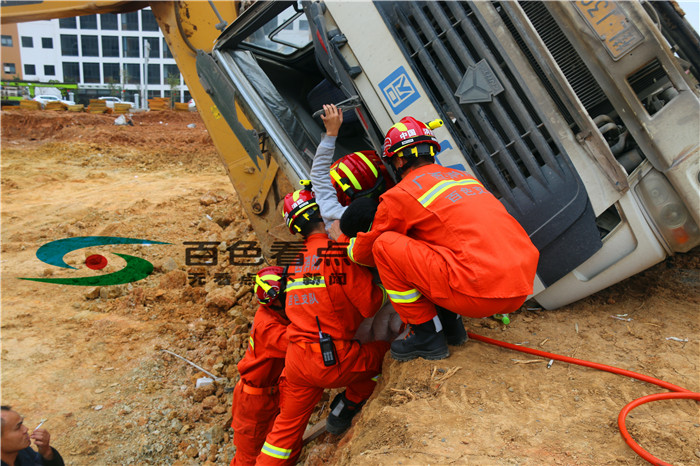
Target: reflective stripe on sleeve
[[384, 295], [251, 344], [351, 245], [430, 195], [409, 296], [276, 452]]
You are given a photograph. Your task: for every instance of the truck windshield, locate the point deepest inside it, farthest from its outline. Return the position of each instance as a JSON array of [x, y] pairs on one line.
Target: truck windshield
[[284, 34]]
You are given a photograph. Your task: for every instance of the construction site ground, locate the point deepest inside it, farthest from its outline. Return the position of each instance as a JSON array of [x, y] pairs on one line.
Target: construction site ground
[[89, 359]]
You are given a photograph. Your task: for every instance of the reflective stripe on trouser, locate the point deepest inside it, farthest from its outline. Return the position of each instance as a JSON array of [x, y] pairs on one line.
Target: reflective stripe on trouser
[[406, 264], [302, 384], [253, 416], [276, 452], [283, 444]]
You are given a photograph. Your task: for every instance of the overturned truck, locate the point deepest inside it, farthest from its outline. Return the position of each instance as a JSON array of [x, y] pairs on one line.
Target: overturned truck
[[582, 117]]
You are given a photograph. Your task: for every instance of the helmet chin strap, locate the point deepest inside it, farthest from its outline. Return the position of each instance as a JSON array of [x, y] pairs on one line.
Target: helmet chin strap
[[413, 156], [399, 171], [409, 163]]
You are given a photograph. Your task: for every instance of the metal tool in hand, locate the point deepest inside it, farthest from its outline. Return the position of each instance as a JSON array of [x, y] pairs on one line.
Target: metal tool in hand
[[347, 104]]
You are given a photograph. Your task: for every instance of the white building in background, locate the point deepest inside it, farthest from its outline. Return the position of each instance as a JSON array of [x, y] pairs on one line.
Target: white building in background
[[37, 41], [102, 53]]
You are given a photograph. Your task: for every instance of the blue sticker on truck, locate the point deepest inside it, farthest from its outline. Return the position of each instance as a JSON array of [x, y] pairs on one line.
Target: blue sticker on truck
[[399, 91]]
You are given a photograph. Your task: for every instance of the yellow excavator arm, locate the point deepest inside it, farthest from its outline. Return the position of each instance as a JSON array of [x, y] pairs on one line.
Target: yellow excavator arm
[[189, 26]]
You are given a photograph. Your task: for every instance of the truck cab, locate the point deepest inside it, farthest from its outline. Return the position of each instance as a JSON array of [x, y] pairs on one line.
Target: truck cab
[[583, 118]]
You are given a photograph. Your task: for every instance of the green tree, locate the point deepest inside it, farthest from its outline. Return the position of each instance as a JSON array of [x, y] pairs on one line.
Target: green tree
[[173, 81], [126, 76], [115, 88]]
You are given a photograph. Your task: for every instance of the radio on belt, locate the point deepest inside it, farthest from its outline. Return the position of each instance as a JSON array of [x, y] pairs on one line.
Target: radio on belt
[[327, 347]]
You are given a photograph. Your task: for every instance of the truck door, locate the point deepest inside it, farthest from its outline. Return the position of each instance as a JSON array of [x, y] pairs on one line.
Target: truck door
[[268, 61]]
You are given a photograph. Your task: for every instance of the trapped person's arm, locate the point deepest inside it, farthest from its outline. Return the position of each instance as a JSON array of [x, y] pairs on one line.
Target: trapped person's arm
[[326, 197]]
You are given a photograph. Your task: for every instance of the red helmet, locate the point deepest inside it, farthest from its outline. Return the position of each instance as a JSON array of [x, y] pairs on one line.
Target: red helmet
[[268, 284], [299, 207], [360, 174], [410, 132]]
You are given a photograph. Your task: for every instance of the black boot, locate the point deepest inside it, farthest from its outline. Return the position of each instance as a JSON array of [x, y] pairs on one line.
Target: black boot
[[452, 325], [426, 341], [342, 412]]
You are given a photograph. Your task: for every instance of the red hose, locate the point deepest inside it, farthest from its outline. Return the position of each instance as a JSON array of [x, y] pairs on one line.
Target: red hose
[[677, 392], [640, 401]]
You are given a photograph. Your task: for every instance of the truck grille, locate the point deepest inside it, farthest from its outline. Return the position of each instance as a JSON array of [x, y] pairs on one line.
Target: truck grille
[[577, 74], [505, 141]]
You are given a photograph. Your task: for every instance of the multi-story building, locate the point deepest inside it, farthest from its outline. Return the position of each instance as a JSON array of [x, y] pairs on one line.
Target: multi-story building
[[106, 54], [11, 61]]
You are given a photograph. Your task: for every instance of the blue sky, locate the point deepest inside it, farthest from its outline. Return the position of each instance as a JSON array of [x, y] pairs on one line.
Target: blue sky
[[692, 12]]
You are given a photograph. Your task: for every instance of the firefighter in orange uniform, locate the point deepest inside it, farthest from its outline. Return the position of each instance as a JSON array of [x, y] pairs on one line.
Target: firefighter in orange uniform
[[439, 238], [327, 299], [256, 396]]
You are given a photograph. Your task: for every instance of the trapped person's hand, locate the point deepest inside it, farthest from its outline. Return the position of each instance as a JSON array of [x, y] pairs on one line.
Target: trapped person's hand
[[332, 119], [335, 231]]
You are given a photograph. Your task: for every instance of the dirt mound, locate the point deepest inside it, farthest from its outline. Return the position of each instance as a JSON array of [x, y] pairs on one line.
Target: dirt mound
[[42, 125], [156, 138], [489, 405], [170, 116], [39, 125], [90, 360]]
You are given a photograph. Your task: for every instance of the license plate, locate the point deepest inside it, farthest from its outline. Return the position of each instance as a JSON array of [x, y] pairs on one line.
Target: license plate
[[609, 22]]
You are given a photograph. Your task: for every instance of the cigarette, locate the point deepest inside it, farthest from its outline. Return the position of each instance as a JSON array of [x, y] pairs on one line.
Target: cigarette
[[40, 424], [549, 364]]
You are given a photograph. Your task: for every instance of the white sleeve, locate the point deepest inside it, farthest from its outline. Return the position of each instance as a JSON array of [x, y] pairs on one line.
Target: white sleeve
[[326, 196]]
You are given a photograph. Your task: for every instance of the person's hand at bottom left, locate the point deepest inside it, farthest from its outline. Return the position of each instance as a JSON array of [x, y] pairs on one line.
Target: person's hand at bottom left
[[41, 439]]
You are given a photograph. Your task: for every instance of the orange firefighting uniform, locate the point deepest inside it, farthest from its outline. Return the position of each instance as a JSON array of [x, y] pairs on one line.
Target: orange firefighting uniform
[[341, 294], [439, 237], [256, 396]]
